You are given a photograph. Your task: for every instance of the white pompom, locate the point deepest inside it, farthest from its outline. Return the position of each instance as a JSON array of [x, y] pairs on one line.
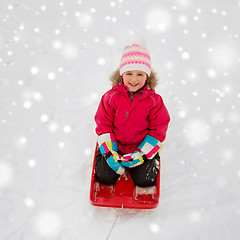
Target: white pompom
[[141, 42]]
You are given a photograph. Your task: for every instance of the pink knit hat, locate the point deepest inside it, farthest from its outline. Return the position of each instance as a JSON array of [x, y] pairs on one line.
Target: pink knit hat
[[136, 57]]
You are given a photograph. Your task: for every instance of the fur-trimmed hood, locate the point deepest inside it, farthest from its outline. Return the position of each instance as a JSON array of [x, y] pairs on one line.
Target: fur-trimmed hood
[[151, 80]]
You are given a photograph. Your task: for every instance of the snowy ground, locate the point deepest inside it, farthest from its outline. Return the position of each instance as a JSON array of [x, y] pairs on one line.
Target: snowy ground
[[55, 62]]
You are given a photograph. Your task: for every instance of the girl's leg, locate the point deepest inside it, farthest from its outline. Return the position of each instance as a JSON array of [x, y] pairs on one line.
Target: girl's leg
[[103, 172], [146, 174]]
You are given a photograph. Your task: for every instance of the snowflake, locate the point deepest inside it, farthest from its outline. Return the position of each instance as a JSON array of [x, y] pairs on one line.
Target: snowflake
[[47, 223]]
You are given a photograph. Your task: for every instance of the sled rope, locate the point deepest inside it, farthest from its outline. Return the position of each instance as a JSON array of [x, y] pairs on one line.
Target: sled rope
[[112, 228]]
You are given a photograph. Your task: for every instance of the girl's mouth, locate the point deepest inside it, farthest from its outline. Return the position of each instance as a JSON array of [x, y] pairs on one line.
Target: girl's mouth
[[134, 85]]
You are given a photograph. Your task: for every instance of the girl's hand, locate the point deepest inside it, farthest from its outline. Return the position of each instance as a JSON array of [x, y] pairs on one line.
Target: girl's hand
[[146, 150], [108, 148], [132, 159], [114, 161]]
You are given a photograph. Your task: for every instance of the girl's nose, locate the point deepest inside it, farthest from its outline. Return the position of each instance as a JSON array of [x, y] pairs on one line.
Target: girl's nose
[[134, 79]]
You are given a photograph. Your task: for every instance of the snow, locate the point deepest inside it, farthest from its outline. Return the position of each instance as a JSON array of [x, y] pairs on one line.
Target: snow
[[55, 61], [145, 191], [47, 223], [6, 174]]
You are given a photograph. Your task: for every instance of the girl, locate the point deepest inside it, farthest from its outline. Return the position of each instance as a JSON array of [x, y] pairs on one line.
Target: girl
[[132, 121]]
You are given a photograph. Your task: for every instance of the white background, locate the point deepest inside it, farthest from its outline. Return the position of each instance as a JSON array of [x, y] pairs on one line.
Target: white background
[[55, 61]]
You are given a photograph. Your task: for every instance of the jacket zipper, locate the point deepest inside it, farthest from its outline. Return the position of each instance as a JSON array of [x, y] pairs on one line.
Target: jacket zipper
[[132, 96]]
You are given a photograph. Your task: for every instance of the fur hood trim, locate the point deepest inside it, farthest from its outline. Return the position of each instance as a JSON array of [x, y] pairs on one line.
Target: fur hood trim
[[151, 80]]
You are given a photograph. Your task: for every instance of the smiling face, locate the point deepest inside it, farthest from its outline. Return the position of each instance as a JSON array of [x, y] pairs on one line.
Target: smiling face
[[134, 80]]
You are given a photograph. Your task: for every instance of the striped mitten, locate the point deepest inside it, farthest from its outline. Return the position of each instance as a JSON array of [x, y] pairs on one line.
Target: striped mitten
[[108, 148], [146, 150]]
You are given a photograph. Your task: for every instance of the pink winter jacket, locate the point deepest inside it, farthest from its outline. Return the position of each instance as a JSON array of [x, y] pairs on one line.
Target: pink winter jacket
[[131, 119]]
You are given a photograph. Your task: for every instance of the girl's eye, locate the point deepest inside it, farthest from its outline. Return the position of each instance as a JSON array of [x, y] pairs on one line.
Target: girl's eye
[[129, 74], [140, 75]]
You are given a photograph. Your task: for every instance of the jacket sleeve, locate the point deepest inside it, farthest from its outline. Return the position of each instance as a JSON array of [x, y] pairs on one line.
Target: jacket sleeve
[[158, 119], [105, 115]]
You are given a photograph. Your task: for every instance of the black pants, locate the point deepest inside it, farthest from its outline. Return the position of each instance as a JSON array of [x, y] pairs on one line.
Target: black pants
[[144, 175]]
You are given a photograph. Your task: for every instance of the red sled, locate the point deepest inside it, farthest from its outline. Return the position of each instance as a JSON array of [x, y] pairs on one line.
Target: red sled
[[124, 193]]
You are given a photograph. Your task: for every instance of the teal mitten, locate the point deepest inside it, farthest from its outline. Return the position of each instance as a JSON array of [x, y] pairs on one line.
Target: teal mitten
[[108, 148], [146, 150]]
